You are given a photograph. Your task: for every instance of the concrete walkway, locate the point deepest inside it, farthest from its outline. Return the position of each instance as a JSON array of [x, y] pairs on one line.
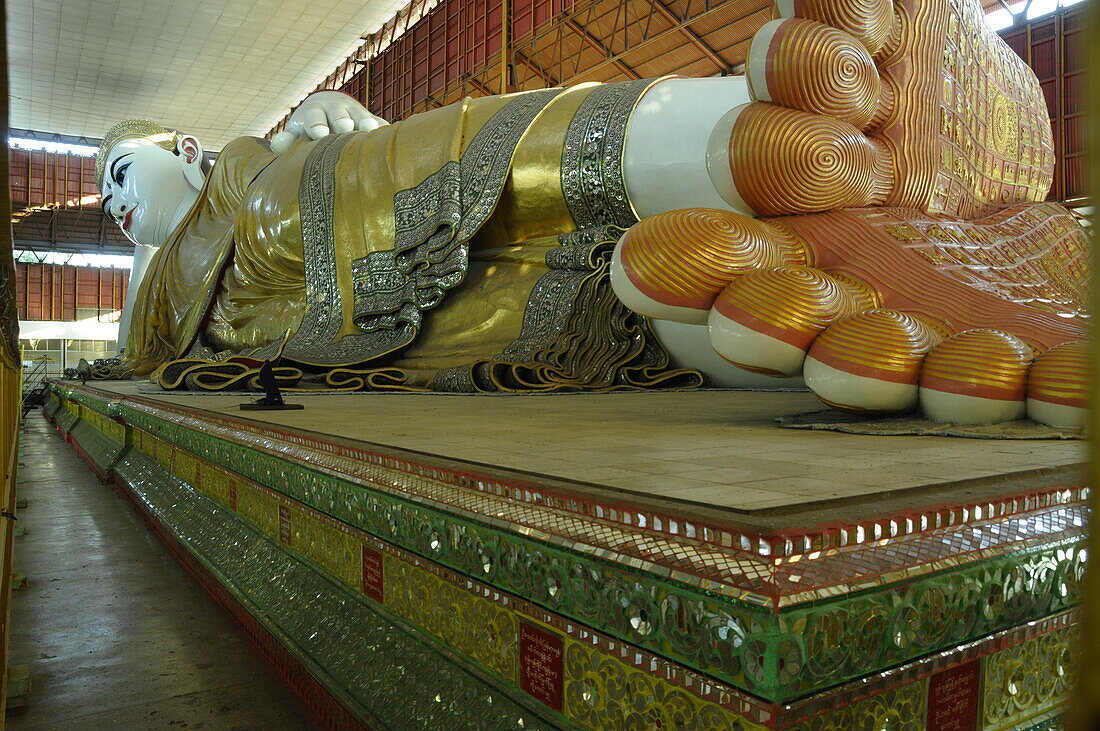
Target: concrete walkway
[[116, 634]]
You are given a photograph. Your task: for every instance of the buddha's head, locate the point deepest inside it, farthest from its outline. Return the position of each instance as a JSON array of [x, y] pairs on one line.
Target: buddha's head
[[149, 178]]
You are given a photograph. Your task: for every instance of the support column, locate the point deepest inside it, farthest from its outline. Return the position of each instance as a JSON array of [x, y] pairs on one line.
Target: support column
[[505, 45]]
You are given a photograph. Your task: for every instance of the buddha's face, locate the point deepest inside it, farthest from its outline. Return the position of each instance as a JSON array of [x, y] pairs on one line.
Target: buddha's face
[[148, 190]]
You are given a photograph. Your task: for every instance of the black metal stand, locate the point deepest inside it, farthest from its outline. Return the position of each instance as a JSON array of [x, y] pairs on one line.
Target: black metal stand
[[273, 397]]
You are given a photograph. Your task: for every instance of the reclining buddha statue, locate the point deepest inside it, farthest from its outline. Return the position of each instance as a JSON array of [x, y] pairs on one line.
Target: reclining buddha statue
[[863, 208]]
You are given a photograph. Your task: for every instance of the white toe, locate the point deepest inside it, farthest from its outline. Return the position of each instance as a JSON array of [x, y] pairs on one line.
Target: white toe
[[1057, 415], [956, 408], [859, 393], [753, 350], [642, 303]]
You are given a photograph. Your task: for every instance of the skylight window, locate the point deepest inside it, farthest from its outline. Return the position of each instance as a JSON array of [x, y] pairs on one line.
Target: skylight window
[[116, 261], [25, 143], [1030, 9]]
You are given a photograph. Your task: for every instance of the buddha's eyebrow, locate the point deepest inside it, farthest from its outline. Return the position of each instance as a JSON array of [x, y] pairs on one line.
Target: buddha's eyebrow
[[117, 160]]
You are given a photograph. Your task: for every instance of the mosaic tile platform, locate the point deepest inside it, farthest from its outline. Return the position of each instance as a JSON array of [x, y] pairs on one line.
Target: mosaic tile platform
[[514, 598]]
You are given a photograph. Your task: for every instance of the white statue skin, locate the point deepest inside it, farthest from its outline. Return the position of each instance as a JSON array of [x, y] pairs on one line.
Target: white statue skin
[[148, 190], [324, 113]]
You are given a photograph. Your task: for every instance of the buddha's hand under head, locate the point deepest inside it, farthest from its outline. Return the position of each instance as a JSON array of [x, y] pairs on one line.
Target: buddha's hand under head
[[323, 113]]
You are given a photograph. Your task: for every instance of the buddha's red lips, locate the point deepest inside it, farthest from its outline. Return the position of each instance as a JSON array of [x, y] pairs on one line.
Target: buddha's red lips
[[126, 219]]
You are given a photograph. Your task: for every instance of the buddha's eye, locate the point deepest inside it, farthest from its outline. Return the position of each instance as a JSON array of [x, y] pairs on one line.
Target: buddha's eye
[[120, 174]]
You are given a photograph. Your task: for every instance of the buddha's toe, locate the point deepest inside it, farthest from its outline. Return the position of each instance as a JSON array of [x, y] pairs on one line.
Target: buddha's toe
[[765, 321], [1057, 386], [807, 65], [672, 265], [976, 377], [905, 105], [869, 21], [800, 147], [785, 161], [870, 362]]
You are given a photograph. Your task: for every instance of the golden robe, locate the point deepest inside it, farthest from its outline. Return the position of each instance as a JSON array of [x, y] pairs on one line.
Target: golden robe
[[422, 244]]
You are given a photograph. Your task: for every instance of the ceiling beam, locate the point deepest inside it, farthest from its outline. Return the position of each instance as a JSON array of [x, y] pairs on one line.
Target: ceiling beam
[[663, 34], [595, 43], [479, 86], [69, 248], [67, 229], [692, 37], [538, 70]]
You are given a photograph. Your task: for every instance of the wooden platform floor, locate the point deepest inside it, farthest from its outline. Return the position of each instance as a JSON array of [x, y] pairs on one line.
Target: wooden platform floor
[[720, 449]]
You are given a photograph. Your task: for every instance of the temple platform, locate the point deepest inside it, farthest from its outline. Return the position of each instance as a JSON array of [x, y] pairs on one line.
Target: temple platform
[[621, 560]]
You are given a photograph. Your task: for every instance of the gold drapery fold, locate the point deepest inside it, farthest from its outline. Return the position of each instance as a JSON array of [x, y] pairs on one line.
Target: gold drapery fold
[[379, 249], [246, 264], [176, 292], [352, 241]]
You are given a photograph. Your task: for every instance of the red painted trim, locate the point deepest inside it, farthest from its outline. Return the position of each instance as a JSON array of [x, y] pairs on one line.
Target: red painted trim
[[1077, 403], [977, 390], [827, 356], [788, 335]]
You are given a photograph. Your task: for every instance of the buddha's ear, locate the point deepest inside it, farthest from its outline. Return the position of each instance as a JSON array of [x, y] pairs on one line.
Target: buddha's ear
[[190, 152]]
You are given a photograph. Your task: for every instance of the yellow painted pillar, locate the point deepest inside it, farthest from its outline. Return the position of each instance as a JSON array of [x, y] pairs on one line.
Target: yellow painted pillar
[[1085, 708], [10, 393], [505, 45]]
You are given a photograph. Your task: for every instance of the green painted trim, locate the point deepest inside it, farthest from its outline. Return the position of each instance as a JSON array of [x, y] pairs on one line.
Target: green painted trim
[[376, 666], [103, 450], [778, 656]]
